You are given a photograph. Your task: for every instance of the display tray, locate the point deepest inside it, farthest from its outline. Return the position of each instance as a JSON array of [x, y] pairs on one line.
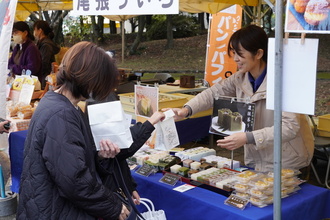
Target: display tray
[[165, 101], [225, 191]]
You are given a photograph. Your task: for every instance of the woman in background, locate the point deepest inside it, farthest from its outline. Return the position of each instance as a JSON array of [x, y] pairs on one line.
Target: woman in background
[[26, 55], [44, 35]]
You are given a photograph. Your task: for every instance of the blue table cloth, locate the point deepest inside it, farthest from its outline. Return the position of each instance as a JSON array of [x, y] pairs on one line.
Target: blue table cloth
[[310, 202], [16, 147]]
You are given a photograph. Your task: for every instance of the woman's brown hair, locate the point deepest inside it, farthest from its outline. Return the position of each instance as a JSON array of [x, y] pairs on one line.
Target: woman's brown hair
[[87, 70]]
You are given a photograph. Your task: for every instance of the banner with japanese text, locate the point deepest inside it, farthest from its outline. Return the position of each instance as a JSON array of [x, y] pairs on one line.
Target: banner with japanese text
[[218, 63], [7, 15], [124, 7]]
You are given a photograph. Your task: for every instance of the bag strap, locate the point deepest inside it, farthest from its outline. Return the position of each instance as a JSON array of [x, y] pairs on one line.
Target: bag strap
[[145, 200], [125, 190]]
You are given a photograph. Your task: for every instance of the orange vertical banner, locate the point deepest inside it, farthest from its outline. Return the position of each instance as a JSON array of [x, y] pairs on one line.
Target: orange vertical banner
[[218, 63]]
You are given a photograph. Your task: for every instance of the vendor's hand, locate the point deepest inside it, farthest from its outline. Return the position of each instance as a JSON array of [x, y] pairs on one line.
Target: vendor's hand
[[233, 141], [124, 213], [136, 197], [180, 113], [108, 149], [156, 117], [2, 129]]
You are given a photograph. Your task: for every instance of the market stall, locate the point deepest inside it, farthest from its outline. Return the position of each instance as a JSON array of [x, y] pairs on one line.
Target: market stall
[[310, 202]]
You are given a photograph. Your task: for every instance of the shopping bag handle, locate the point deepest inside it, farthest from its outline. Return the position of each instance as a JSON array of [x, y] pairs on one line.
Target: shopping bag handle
[[144, 202]]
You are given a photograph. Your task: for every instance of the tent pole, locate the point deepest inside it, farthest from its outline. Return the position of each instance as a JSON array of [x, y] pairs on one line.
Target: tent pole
[[278, 108], [122, 41]]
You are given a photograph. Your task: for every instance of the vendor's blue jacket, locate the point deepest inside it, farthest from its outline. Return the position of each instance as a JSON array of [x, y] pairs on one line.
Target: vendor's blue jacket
[[61, 177]]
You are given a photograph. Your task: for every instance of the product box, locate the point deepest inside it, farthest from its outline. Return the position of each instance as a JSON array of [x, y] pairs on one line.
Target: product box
[[324, 122]]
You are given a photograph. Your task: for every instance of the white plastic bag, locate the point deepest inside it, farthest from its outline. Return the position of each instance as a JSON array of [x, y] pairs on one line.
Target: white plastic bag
[[152, 214]]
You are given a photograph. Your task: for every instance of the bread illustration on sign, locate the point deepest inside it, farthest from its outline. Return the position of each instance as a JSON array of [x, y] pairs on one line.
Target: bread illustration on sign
[[144, 106], [316, 11]]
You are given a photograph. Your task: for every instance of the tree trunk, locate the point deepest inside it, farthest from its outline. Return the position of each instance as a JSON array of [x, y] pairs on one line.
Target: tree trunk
[[113, 28], [170, 41], [58, 26], [148, 21], [136, 43], [201, 21], [100, 24]]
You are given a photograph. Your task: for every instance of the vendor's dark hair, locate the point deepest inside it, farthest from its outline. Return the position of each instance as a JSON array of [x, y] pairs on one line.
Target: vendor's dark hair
[[87, 69], [44, 26], [252, 38]]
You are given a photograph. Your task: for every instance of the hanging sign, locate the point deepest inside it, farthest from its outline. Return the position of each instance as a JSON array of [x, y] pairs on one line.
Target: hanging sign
[[125, 7], [218, 63]]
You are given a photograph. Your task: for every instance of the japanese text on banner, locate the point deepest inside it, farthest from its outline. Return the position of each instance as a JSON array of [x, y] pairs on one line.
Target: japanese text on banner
[[125, 7], [218, 63]]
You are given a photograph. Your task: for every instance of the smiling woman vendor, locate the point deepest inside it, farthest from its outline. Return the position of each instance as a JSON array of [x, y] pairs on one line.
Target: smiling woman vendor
[[26, 55], [248, 46]]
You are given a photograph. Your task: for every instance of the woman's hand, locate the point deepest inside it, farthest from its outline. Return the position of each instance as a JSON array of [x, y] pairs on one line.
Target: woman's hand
[[136, 197], [233, 141], [156, 117], [180, 113], [2, 128], [124, 213], [108, 149]]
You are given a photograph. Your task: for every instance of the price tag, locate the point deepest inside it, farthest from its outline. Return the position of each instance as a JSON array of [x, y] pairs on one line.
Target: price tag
[[145, 170], [184, 188], [236, 201], [170, 179]]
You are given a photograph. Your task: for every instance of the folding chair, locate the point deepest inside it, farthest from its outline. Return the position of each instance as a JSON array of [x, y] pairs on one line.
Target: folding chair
[[321, 151]]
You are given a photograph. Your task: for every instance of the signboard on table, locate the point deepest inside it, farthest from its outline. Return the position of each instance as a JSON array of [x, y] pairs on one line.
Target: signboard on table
[[125, 7], [299, 75], [218, 63], [307, 16], [146, 100], [232, 115]]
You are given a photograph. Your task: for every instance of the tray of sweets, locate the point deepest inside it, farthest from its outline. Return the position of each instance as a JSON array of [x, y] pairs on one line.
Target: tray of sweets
[[207, 176]]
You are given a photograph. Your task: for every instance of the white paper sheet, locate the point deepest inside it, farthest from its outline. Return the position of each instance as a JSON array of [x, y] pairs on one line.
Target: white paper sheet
[[108, 121], [299, 75], [167, 135], [26, 93]]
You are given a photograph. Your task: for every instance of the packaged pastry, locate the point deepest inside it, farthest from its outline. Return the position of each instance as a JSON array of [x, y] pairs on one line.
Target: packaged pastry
[[246, 176], [243, 195], [258, 202], [239, 187], [262, 185]]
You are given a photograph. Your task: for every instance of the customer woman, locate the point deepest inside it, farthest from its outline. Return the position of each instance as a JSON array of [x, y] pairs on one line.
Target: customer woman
[[248, 46], [26, 55], [44, 35], [59, 178]]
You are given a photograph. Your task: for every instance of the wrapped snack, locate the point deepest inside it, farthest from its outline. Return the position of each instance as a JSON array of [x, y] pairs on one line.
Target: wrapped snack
[[241, 187], [258, 202], [175, 168], [246, 176], [261, 185], [243, 195], [26, 114]]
